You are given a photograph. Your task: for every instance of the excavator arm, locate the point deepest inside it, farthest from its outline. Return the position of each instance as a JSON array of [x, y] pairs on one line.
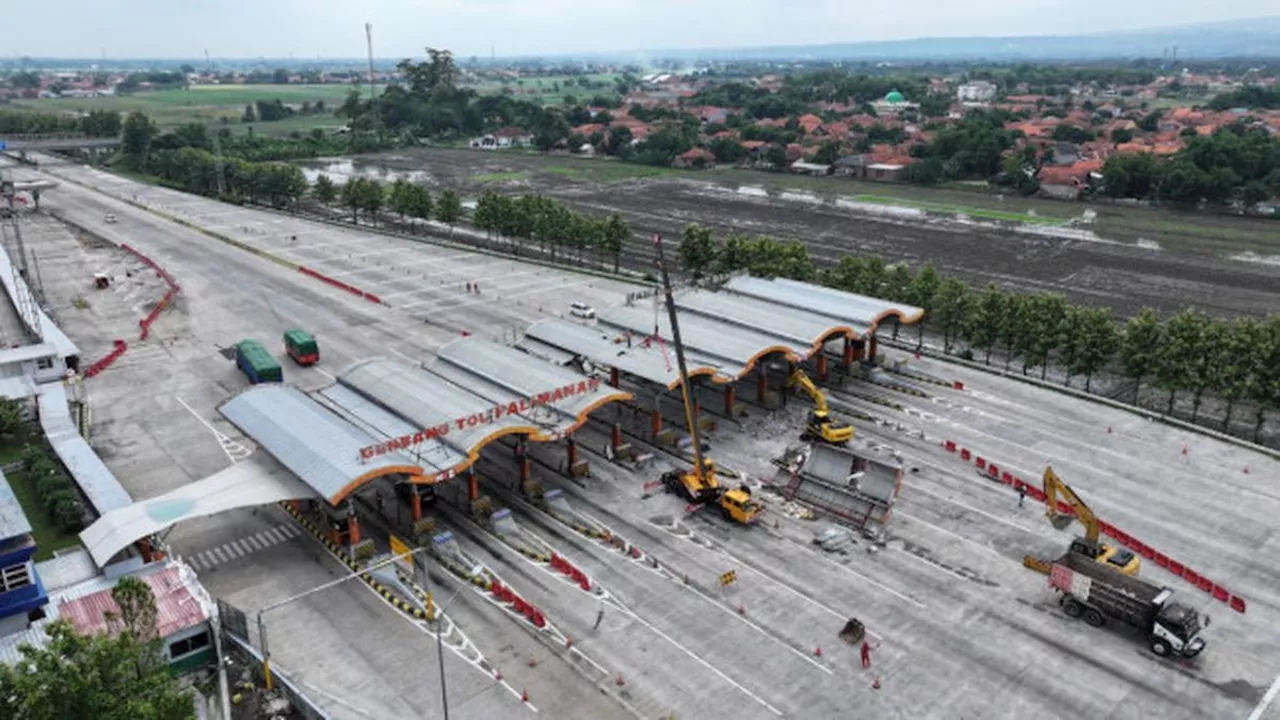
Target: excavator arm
[[819, 399], [1054, 486]]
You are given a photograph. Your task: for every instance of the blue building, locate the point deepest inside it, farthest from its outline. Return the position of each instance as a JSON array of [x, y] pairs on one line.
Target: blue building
[[21, 592]]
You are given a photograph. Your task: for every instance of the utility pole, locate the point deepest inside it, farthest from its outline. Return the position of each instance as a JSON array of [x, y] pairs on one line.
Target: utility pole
[[373, 90], [217, 160]]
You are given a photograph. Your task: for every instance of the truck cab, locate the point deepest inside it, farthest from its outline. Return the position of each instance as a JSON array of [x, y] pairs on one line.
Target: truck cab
[[737, 505], [1176, 629]]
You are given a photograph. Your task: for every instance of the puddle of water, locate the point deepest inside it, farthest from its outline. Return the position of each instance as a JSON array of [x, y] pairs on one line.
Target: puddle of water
[[804, 197], [1254, 257], [343, 170], [753, 191]]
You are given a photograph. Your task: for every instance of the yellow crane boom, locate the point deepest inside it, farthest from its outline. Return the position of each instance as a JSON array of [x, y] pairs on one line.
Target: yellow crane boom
[[1089, 545]]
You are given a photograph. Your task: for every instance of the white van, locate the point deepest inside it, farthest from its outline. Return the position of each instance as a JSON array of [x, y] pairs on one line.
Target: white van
[[582, 310]]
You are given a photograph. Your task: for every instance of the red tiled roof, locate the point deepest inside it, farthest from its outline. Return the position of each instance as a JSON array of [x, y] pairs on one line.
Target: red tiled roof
[[753, 144], [696, 153], [176, 608], [511, 132], [1133, 147], [589, 129], [809, 122]]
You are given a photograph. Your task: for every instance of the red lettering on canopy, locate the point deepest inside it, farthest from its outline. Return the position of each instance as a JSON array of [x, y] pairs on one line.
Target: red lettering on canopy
[[582, 387], [366, 453], [462, 422], [405, 441], [593, 384], [418, 437]]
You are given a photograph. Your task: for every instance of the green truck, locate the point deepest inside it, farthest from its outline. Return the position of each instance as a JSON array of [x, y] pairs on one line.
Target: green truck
[[257, 363], [301, 346]]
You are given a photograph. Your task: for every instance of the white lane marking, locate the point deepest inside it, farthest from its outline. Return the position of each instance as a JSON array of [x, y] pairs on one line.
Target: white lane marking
[[697, 658], [1266, 700], [970, 508]]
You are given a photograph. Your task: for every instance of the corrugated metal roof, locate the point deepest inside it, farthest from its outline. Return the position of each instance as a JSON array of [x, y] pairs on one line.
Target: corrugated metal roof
[[181, 601], [434, 455], [838, 305], [39, 321], [312, 442], [176, 608], [424, 399], [708, 343], [503, 375], [13, 521], [609, 348], [800, 329], [102, 488]]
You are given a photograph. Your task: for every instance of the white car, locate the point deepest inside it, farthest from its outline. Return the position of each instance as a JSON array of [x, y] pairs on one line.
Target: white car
[[582, 310], [110, 218]]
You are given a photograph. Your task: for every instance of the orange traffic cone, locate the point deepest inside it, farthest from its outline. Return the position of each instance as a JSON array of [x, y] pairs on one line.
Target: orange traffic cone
[[875, 684], [817, 653], [1108, 429], [742, 609], [497, 675], [524, 695], [619, 680], [568, 643], [533, 661]]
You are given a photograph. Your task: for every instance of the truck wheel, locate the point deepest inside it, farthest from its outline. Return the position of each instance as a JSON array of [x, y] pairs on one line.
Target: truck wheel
[[1071, 607], [1093, 617], [1161, 647]]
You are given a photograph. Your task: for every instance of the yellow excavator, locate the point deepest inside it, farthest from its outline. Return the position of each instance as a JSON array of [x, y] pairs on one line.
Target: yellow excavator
[[699, 484], [1089, 545], [820, 424]]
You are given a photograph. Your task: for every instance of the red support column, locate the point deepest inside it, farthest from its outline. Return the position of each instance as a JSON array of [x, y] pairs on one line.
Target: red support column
[[573, 451], [473, 485], [728, 400], [617, 435], [353, 528], [417, 504], [656, 418], [871, 350], [848, 356], [822, 365], [613, 377], [761, 386], [524, 469]]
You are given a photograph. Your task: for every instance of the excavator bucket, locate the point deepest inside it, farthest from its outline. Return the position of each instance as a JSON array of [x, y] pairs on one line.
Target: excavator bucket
[[1060, 522]]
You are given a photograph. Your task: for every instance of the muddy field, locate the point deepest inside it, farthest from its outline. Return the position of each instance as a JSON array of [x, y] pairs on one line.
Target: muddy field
[[1123, 257]]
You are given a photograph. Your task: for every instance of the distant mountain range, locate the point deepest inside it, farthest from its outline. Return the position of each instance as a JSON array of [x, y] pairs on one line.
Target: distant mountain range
[[1255, 37]]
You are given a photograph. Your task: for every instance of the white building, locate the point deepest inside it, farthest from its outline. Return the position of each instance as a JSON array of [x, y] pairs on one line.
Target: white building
[[978, 91]]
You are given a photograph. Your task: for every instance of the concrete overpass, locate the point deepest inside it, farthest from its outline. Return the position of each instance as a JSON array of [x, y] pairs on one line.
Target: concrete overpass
[[54, 141]]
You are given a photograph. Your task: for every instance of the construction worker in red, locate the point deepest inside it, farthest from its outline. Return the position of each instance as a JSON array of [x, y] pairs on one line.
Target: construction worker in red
[[866, 654]]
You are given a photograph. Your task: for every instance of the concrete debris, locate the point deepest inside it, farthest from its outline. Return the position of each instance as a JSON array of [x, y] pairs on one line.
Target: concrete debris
[[833, 538]]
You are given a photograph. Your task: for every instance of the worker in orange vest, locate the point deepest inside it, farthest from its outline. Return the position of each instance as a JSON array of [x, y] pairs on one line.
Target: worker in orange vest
[[866, 654]]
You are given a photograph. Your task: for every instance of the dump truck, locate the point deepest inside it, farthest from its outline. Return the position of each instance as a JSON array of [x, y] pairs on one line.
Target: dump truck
[[820, 425], [257, 363], [1098, 591], [301, 346]]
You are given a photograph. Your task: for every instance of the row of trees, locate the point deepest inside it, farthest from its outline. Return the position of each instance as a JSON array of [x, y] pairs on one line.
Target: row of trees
[[96, 123], [552, 225], [1237, 164], [408, 200], [57, 493], [1189, 354]]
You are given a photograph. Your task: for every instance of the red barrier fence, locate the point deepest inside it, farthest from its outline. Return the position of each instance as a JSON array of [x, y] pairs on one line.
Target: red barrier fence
[[340, 285], [100, 365], [174, 289], [1220, 593]]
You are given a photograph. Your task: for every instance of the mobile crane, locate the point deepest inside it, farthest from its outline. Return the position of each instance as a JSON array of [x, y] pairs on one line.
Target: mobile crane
[[820, 424], [1089, 546], [700, 484]]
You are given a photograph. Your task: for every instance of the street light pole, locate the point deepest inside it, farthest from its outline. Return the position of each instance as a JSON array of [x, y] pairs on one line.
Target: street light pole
[[262, 629], [444, 694]]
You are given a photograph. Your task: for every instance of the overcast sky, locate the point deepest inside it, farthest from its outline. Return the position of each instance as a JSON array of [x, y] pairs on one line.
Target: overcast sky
[[402, 28]]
